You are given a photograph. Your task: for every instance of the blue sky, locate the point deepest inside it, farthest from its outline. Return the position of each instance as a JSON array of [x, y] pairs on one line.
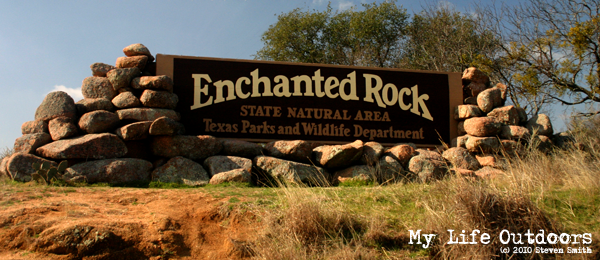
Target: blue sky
[[49, 45]]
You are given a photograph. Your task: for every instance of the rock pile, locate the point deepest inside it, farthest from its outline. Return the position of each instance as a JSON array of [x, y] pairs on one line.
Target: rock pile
[[126, 130]]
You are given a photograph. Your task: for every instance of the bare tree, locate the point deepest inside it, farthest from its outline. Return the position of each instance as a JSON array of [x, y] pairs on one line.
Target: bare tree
[[549, 51]]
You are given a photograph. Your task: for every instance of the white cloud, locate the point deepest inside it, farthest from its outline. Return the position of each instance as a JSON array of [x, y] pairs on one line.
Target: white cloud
[[345, 5], [75, 93]]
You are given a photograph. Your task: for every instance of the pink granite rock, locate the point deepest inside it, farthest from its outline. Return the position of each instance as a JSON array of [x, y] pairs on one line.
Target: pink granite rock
[[338, 156], [235, 175], [126, 100], [19, 166], [291, 172], [489, 99], [98, 121], [297, 150], [91, 146], [540, 124], [97, 87], [56, 104], [114, 171], [182, 171], [461, 158], [153, 82], [220, 163], [100, 69], [482, 126], [146, 114], [121, 78], [35, 126], [134, 131], [189, 146], [87, 105], [62, 127], [159, 99], [166, 126], [132, 62], [29, 142], [466, 111], [507, 115]]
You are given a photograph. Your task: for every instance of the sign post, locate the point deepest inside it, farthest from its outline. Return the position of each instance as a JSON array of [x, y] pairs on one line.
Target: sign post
[[263, 101]]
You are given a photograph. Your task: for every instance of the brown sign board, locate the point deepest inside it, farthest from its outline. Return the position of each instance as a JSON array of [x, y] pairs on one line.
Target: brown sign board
[[263, 101]]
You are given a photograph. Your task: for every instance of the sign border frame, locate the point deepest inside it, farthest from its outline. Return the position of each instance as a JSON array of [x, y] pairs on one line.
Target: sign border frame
[[165, 66]]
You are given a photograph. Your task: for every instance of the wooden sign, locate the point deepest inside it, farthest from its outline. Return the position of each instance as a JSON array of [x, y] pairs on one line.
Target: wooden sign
[[264, 101]]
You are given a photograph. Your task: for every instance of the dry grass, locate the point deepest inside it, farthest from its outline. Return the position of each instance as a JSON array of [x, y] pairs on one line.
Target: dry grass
[[558, 192]]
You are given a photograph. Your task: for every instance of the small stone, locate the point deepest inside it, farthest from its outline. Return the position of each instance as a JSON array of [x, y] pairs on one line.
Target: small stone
[[483, 144], [146, 114], [241, 148], [132, 62], [183, 171], [482, 126], [235, 175], [507, 115], [461, 158], [126, 100], [540, 124], [34, 127], [220, 163], [100, 69], [159, 99], [189, 146], [354, 173], [338, 156], [87, 105], [466, 111], [19, 166], [29, 142], [120, 78], [166, 126], [489, 99], [97, 87], [297, 150], [113, 171], [153, 82], [137, 49], [91, 146], [372, 151], [98, 121], [134, 131], [61, 128], [56, 104]]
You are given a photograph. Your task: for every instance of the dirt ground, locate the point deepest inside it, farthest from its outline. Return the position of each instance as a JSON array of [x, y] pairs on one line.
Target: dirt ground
[[121, 223]]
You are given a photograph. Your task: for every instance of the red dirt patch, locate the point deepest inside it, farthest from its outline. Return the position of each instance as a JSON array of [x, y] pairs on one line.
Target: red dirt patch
[[121, 223]]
